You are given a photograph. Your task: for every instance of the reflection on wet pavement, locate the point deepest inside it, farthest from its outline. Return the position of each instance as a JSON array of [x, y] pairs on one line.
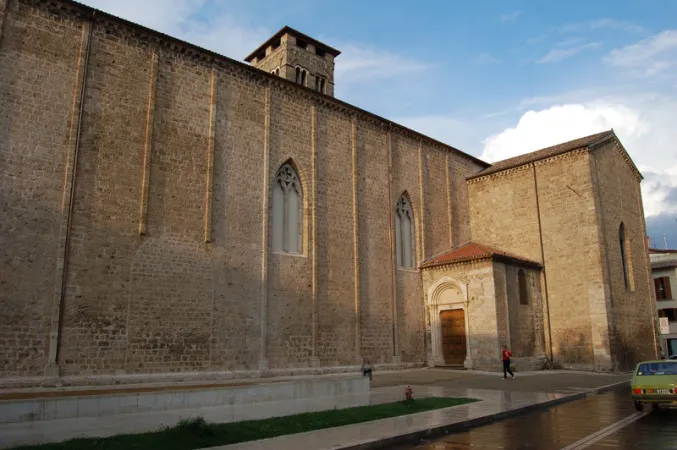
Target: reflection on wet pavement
[[567, 424]]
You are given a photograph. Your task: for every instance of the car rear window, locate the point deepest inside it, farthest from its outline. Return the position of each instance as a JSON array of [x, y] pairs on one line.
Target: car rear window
[[658, 368]]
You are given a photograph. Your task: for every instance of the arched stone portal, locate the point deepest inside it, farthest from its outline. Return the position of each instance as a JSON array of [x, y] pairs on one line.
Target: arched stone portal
[[448, 317]]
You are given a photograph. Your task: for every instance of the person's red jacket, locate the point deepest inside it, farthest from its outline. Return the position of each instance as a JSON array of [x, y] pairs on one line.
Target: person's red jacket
[[506, 354]]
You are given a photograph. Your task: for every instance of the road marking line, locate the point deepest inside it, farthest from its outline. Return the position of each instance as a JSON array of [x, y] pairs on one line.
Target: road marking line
[[604, 432]]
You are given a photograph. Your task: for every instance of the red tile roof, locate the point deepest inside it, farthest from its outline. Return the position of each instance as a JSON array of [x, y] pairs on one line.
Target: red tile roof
[[545, 153], [473, 251]]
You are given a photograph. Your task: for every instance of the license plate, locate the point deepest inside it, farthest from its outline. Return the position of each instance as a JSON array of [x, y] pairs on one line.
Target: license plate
[[657, 391]]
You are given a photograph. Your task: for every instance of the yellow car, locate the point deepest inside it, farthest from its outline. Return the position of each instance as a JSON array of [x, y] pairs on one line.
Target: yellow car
[[654, 382]]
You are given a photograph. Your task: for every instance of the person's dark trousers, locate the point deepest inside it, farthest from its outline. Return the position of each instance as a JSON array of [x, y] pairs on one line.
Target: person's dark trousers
[[506, 369]]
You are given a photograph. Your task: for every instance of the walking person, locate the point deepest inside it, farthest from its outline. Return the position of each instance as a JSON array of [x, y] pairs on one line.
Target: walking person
[[506, 354]]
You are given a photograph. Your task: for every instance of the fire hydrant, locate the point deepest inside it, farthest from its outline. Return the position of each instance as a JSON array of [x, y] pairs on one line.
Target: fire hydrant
[[407, 393]]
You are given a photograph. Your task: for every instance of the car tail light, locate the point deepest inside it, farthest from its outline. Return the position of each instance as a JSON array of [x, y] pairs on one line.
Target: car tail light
[[637, 391]]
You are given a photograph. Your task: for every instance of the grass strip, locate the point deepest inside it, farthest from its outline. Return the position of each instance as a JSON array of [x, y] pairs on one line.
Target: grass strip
[[196, 433]]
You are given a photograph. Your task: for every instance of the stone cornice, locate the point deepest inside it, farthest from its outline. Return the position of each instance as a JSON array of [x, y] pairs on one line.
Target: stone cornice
[[504, 173], [618, 146], [494, 258], [467, 262], [211, 59]]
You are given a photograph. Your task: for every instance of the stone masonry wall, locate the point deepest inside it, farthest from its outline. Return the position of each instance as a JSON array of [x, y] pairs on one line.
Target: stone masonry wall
[[460, 208], [502, 307], [36, 137], [407, 182], [632, 332], [503, 212], [374, 245], [165, 254], [572, 262], [527, 337], [290, 303]]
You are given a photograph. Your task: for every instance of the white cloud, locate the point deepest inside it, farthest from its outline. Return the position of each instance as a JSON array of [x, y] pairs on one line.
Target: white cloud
[[209, 25], [359, 63], [571, 42], [614, 24], [597, 24], [642, 122], [486, 58], [220, 31], [460, 133], [510, 17], [224, 35], [161, 15], [539, 129], [647, 58], [560, 54]]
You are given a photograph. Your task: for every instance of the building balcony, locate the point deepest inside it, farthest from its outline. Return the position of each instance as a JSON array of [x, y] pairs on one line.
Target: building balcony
[[666, 304]]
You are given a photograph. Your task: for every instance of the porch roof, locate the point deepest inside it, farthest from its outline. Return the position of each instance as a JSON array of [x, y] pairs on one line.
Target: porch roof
[[473, 251]]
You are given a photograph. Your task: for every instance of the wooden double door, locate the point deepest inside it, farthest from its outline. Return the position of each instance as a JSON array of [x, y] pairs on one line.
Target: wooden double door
[[452, 323]]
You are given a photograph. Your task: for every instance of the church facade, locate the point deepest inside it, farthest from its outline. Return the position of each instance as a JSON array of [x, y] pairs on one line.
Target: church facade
[[167, 210]]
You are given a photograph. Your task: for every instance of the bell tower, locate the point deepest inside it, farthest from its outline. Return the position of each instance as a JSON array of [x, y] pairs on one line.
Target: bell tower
[[297, 57]]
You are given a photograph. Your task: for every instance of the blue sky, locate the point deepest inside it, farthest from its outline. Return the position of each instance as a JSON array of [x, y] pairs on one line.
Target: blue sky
[[493, 78]]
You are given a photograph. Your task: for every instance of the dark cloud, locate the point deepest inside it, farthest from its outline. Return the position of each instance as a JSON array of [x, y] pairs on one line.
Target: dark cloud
[[671, 196], [663, 224]]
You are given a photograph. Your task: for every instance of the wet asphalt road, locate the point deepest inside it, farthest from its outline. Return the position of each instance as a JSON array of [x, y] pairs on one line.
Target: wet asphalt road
[[606, 421]]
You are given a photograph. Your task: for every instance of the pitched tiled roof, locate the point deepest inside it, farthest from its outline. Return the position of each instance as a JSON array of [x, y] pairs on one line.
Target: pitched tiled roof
[[287, 29], [545, 153], [473, 251]]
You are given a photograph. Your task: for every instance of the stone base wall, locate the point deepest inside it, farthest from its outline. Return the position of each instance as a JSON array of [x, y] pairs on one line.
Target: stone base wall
[[182, 378], [251, 402]]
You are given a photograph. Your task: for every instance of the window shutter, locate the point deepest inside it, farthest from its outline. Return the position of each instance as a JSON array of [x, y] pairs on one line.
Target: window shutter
[[668, 291]]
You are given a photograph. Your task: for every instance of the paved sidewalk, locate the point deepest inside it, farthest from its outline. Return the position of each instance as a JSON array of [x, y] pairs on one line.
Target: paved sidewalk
[[494, 405], [499, 397], [542, 381]]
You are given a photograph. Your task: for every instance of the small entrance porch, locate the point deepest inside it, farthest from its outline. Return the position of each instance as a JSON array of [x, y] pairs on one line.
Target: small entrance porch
[[477, 299]]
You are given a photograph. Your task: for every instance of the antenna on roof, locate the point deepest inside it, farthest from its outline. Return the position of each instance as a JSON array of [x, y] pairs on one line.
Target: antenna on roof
[[665, 240]]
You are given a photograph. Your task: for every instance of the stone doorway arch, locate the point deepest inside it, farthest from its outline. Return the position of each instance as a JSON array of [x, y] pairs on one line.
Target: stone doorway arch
[[447, 294]]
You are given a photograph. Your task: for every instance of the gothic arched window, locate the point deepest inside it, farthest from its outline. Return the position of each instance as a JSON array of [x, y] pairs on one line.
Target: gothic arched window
[[404, 234], [522, 286], [287, 211]]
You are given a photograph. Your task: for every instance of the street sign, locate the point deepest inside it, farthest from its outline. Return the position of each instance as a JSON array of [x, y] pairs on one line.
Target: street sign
[[664, 325]]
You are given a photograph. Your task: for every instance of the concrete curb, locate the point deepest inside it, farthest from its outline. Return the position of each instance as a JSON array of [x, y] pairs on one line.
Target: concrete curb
[[415, 437]]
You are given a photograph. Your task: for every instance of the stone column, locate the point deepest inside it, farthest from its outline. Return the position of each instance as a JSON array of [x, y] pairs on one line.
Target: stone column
[[422, 217], [67, 199], [393, 263], [314, 359], [356, 248], [265, 194], [148, 142], [210, 159]]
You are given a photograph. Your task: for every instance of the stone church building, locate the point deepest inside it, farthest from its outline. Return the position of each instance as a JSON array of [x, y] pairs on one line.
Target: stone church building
[[166, 209]]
